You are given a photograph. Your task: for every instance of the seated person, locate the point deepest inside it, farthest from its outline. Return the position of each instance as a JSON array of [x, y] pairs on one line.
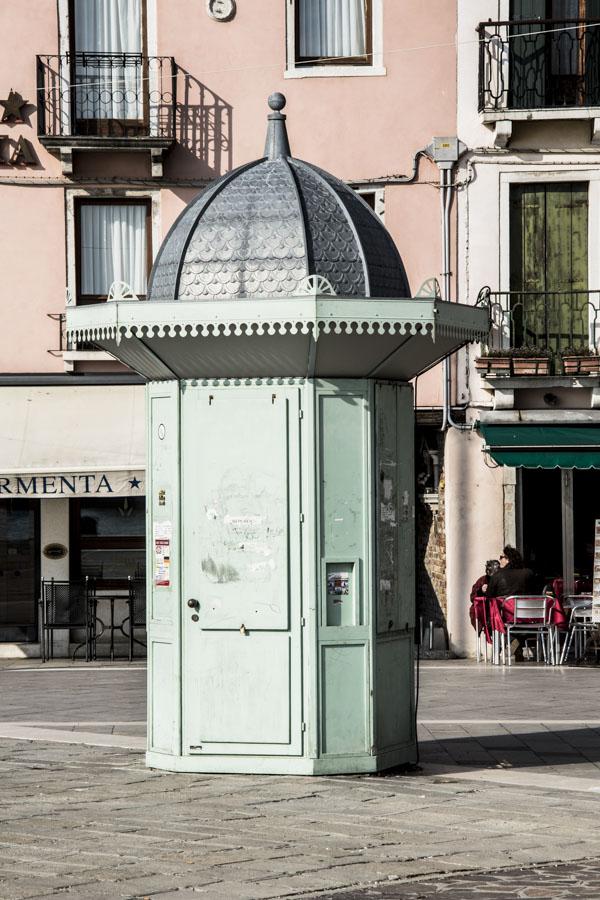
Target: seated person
[[479, 589], [513, 576]]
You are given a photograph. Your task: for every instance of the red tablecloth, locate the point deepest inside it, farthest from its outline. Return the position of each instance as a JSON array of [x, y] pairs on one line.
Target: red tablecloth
[[480, 617], [494, 613]]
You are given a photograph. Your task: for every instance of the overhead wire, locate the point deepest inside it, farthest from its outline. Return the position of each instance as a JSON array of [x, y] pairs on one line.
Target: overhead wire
[[333, 59]]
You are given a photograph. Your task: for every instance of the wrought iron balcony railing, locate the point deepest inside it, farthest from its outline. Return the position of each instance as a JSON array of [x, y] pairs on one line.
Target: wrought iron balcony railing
[[548, 320], [65, 344], [112, 95], [539, 64]]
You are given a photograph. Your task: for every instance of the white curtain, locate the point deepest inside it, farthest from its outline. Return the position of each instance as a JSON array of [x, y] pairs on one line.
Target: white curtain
[[113, 247], [107, 89], [332, 28]]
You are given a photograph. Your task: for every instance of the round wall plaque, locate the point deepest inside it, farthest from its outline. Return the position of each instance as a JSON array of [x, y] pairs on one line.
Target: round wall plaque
[[221, 10], [161, 432], [55, 551]]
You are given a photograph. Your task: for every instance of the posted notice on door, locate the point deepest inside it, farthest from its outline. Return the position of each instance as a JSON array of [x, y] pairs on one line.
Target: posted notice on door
[[163, 533]]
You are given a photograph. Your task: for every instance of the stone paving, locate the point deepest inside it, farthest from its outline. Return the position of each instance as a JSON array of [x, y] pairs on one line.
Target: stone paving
[[507, 804], [554, 882]]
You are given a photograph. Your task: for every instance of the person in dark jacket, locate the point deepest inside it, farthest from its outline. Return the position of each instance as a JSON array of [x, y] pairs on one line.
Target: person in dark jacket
[[480, 586], [513, 577]]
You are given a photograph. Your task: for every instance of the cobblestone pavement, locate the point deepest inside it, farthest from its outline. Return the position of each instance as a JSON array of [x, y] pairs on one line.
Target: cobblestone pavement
[[510, 781]]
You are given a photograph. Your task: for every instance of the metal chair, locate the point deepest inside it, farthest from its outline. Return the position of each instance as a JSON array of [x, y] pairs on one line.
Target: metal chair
[[580, 627], [136, 603], [531, 616], [66, 605]]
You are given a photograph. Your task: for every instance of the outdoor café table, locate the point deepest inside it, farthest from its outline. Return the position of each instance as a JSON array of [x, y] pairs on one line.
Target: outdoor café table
[[111, 597], [501, 614], [479, 613]]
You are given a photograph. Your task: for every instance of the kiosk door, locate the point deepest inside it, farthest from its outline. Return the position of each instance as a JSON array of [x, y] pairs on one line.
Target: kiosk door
[[241, 570]]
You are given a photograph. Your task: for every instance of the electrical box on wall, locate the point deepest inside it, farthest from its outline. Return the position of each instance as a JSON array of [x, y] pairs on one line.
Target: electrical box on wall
[[445, 151]]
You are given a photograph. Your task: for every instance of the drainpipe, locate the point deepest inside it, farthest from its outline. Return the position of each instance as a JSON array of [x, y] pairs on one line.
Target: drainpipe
[[445, 152]]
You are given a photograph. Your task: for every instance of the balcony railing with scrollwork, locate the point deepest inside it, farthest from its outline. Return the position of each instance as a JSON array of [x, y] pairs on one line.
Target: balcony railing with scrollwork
[[112, 95], [548, 320], [539, 64]]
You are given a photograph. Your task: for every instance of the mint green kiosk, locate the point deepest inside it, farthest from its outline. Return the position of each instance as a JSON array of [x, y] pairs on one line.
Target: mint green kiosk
[[278, 340]]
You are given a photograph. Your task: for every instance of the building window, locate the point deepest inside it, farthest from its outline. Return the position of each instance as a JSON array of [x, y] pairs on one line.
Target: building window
[[113, 245], [550, 305], [556, 63], [375, 199], [333, 31], [107, 46], [108, 539], [326, 34]]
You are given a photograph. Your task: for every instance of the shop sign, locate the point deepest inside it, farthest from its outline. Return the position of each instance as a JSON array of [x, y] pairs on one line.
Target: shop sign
[[15, 152], [126, 483], [55, 551]]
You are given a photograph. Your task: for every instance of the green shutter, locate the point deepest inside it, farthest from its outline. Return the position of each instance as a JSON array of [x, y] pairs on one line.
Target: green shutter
[[549, 264]]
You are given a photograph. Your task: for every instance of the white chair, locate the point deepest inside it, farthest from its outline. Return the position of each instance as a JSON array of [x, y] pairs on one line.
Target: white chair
[[532, 616]]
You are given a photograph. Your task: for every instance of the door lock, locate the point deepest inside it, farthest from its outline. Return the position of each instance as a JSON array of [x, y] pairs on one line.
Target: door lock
[[193, 604]]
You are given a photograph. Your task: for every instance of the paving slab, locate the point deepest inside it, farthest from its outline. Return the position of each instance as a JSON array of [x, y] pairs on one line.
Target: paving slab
[[510, 783]]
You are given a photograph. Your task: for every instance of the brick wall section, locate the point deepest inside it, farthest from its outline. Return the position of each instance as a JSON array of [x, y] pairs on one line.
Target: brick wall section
[[431, 558]]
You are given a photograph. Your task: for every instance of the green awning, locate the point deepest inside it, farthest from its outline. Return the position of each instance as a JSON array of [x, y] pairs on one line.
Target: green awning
[[543, 446]]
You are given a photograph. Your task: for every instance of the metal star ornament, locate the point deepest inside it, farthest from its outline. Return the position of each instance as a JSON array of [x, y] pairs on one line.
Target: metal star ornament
[[12, 107]]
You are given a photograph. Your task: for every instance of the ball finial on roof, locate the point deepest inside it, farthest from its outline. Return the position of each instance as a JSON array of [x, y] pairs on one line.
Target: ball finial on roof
[[277, 143], [277, 101]]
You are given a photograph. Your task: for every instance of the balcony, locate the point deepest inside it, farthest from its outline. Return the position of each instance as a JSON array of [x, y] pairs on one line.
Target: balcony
[[539, 69], [106, 101], [554, 322], [71, 351]]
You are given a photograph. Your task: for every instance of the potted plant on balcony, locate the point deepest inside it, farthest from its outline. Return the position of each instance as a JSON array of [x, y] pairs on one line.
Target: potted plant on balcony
[[494, 362], [530, 360], [580, 360]]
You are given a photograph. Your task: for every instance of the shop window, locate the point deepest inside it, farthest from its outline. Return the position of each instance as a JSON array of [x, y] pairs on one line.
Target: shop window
[[108, 539], [113, 246], [329, 33], [19, 569]]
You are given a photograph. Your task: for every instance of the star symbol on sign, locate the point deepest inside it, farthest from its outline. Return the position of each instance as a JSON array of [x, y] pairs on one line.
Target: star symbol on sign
[[134, 482], [13, 106]]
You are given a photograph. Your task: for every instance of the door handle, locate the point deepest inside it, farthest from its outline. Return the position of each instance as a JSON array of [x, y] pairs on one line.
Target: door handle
[[193, 604]]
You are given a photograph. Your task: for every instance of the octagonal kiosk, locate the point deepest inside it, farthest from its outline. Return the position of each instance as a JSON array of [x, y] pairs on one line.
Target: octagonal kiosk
[[278, 341]]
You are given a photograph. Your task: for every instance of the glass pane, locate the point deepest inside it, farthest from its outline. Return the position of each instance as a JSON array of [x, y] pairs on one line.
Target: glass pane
[[123, 516], [18, 567], [113, 247], [542, 522], [113, 563], [586, 509], [332, 28], [108, 83]]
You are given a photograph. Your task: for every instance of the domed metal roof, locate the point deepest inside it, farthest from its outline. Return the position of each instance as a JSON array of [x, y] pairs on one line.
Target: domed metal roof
[[264, 228]]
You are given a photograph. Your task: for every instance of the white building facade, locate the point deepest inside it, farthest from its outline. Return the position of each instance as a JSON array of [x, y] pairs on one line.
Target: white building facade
[[528, 195]]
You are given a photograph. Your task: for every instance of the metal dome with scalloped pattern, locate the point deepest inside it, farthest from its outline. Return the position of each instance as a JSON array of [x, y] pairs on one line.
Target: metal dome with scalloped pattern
[[266, 227]]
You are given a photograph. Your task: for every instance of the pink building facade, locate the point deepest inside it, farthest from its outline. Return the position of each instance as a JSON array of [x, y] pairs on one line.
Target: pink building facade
[[116, 112]]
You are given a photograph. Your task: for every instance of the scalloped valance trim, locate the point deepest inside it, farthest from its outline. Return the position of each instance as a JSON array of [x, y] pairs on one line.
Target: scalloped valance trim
[[254, 328]]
